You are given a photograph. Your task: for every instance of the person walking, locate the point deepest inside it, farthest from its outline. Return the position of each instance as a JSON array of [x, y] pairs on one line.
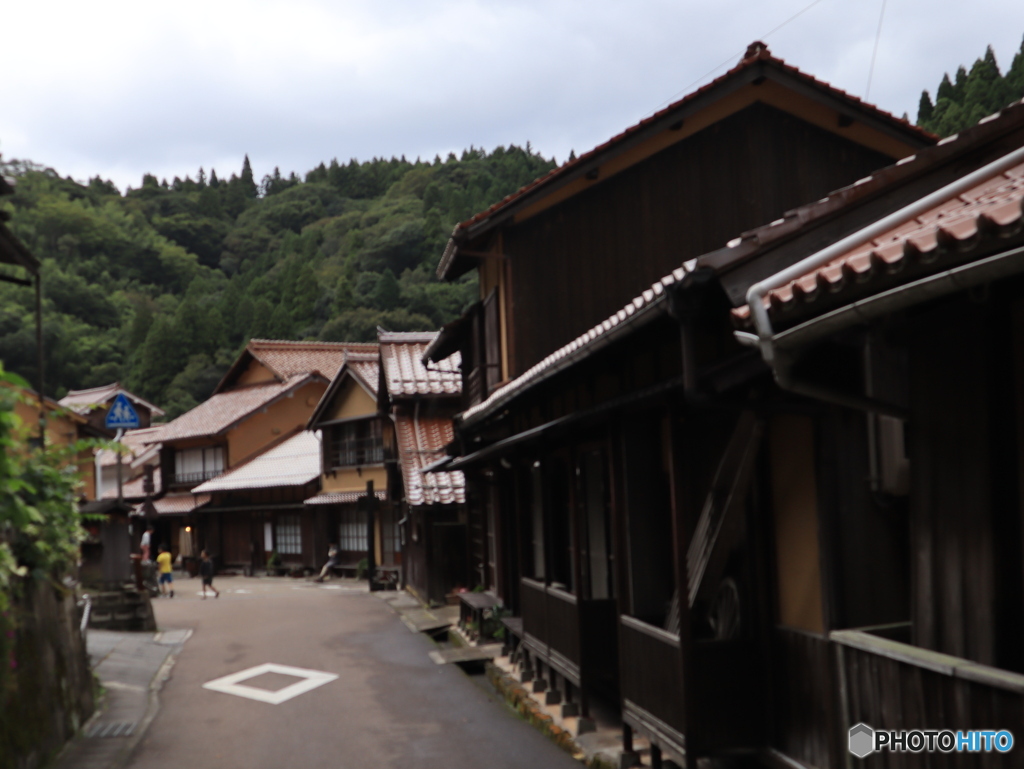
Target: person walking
[[206, 572], [146, 544], [332, 561], [163, 562]]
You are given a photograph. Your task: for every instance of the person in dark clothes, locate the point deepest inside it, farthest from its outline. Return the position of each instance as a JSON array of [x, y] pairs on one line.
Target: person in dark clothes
[[206, 572]]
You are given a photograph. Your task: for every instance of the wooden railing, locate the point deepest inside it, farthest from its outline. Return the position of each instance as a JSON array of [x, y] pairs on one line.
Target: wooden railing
[[893, 685], [651, 679], [802, 698], [551, 625], [533, 601], [563, 629]]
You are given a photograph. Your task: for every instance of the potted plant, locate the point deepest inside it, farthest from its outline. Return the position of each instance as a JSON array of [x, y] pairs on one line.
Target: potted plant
[[274, 564]]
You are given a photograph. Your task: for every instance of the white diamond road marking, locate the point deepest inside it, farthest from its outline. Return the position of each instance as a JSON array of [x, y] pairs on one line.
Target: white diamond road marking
[[231, 684]]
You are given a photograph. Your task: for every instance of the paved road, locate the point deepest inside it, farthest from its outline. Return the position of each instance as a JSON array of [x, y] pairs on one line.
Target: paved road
[[390, 706]]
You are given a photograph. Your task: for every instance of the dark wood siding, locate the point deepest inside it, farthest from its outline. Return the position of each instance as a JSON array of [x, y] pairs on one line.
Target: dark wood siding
[[574, 265]]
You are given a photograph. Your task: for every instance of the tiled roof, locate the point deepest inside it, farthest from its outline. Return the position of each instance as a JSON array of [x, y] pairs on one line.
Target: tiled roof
[[421, 442], [133, 489], [342, 497], [990, 211], [757, 53], [225, 409], [176, 504], [293, 462], [404, 372], [139, 442], [287, 358], [565, 355], [366, 366], [84, 401]]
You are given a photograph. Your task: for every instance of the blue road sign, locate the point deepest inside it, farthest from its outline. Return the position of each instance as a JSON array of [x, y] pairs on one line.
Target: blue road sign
[[122, 415]]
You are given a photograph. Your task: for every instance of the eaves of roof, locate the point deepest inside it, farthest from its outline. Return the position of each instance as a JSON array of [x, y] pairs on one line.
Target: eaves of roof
[[874, 190], [224, 411], [83, 401], [292, 462], [986, 219], [758, 64], [363, 370], [643, 309]]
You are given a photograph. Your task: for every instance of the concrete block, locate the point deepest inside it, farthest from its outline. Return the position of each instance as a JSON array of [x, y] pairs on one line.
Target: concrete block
[[570, 709], [552, 697], [585, 725], [539, 685]]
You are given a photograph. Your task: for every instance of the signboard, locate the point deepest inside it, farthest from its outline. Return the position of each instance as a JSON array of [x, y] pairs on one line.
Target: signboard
[[122, 415]]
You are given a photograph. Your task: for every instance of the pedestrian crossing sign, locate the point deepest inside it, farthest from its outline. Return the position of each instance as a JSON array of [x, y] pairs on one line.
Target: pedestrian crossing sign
[[122, 415]]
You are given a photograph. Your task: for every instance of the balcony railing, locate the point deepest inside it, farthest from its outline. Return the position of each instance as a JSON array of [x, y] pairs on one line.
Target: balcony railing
[[183, 479], [357, 451]]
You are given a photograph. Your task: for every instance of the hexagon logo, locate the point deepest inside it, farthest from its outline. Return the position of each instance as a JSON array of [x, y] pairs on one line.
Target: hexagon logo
[[862, 740]]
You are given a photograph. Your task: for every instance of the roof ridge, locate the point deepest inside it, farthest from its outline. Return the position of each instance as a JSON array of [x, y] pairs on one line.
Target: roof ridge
[[761, 54]]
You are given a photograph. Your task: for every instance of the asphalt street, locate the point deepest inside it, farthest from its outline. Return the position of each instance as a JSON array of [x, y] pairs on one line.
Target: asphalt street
[[390, 705]]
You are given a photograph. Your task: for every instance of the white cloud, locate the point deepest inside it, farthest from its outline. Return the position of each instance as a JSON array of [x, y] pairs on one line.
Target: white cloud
[[120, 88]]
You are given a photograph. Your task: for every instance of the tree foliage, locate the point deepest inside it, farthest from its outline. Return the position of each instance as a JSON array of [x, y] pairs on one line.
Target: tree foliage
[[161, 286], [973, 95]]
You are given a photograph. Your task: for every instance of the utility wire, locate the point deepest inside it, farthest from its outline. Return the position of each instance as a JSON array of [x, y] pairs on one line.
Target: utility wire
[[874, 53], [712, 71]]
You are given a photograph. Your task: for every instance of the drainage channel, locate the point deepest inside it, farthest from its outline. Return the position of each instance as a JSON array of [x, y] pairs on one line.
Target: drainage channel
[[113, 729]]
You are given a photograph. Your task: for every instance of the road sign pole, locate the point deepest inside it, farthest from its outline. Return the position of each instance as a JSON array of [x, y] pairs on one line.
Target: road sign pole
[[120, 489]]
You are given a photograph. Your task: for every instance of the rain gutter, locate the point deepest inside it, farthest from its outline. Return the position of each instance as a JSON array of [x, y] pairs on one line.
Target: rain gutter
[[767, 341]]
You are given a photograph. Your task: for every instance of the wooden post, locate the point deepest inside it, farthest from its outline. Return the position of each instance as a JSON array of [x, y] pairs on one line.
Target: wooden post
[[369, 504]]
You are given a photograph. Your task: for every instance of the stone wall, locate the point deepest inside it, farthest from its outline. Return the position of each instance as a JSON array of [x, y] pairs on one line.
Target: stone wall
[[50, 694]]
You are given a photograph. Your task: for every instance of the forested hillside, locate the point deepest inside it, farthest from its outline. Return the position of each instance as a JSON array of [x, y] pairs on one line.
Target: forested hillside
[[161, 286], [970, 96]]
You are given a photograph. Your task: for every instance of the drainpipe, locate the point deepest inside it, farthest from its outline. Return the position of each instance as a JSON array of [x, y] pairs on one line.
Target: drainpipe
[[781, 363]]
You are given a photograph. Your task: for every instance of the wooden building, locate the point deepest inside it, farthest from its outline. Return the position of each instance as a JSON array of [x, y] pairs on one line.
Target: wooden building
[[762, 539], [420, 402], [265, 397], [567, 250], [263, 497], [751, 548], [356, 442]]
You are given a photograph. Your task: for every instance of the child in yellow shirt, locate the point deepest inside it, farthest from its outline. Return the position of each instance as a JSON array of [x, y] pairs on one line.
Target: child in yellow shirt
[[163, 562]]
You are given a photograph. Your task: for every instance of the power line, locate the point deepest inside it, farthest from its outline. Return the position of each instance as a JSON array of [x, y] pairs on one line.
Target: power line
[[874, 53], [712, 71]]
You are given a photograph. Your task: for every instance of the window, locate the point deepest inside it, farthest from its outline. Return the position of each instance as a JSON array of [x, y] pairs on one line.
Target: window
[[356, 443], [288, 535], [352, 531], [197, 465]]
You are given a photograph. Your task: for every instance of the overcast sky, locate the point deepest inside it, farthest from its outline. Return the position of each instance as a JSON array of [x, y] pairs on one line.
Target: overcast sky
[[122, 88]]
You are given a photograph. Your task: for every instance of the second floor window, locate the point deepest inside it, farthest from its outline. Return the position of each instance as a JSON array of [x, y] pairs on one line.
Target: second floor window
[[355, 443], [198, 465]]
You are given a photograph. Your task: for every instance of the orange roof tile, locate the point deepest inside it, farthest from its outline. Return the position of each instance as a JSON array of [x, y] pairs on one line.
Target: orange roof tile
[[404, 372], [954, 228], [421, 442], [226, 409]]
